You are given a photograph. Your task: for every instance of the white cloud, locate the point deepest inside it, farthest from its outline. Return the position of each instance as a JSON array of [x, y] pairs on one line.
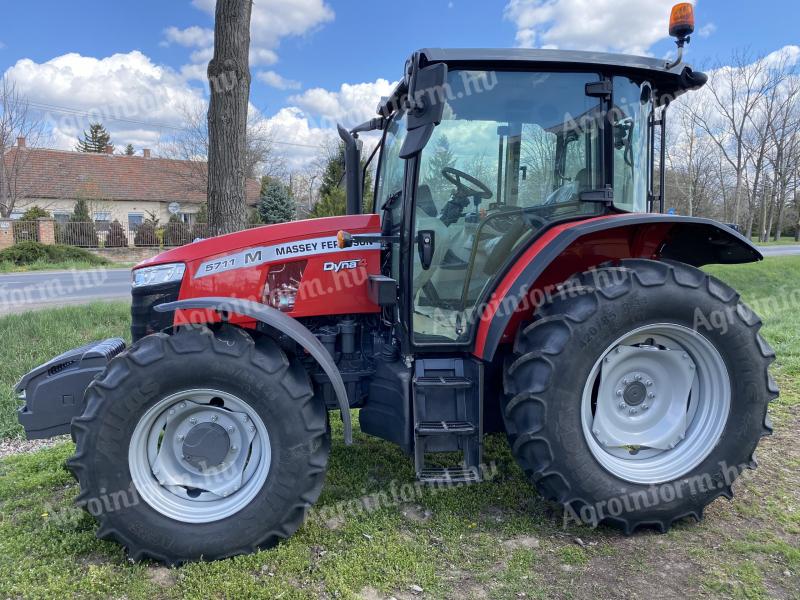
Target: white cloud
[[273, 79], [629, 26], [350, 104], [270, 21], [191, 36], [706, 30], [133, 97]]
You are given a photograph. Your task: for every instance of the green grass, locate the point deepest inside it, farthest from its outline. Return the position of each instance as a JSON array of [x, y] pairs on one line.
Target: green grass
[[783, 241], [497, 539], [67, 265]]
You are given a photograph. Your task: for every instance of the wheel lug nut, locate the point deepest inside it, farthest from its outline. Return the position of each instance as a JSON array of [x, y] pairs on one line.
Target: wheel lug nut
[[180, 438], [626, 381], [637, 377], [214, 418], [172, 411], [619, 392], [183, 404], [649, 383], [645, 407], [193, 420], [622, 405], [230, 429], [234, 448], [651, 395], [632, 411]]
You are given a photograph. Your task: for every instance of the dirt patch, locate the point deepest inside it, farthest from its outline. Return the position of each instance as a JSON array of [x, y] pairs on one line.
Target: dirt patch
[[12, 446], [416, 513], [523, 541], [162, 576]]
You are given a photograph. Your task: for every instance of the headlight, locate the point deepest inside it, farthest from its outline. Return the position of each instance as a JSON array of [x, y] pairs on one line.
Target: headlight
[[158, 274]]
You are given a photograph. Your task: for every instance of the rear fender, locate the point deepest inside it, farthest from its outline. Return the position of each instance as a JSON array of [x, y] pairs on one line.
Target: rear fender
[[570, 248], [286, 325]]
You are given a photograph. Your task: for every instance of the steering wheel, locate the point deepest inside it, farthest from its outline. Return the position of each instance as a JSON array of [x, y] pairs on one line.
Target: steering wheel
[[479, 191]]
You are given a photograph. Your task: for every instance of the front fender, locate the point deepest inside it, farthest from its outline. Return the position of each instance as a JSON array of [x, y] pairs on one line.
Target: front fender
[[286, 325], [568, 248]]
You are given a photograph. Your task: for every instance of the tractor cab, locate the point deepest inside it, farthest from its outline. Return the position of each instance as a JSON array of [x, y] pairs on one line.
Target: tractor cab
[[482, 150]]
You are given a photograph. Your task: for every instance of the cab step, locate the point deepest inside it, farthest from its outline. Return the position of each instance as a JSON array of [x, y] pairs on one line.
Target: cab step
[[445, 427], [449, 475], [448, 412]]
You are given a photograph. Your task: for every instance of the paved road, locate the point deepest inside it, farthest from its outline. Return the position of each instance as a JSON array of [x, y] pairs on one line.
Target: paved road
[[20, 292], [779, 250]]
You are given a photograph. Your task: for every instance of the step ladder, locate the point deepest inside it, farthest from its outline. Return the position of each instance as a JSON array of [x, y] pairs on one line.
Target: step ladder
[[448, 405]]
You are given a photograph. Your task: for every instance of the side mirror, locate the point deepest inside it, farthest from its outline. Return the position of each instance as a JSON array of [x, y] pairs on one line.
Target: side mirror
[[425, 105], [426, 245]]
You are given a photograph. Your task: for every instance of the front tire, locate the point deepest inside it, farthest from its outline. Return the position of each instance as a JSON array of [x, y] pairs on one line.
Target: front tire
[[200, 445], [638, 394]]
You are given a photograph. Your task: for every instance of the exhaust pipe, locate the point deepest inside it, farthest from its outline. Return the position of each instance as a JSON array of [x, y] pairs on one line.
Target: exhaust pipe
[[352, 170]]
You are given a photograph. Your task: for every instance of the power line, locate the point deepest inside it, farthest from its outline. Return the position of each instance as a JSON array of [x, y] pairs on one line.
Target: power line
[[73, 111]]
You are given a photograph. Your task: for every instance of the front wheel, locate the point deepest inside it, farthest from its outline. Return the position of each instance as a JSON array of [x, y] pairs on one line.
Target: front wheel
[[638, 394], [200, 445]]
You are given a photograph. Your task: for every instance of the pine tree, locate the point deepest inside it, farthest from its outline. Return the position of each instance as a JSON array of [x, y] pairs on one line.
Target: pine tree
[[97, 139], [441, 158], [80, 231], [129, 150], [332, 194], [333, 173], [276, 204], [80, 214]]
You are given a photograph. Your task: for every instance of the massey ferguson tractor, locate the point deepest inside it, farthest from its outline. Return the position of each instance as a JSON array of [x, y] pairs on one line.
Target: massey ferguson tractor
[[516, 273]]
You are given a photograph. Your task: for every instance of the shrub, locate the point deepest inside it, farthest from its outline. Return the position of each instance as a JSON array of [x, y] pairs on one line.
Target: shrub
[[25, 253], [146, 235], [116, 237]]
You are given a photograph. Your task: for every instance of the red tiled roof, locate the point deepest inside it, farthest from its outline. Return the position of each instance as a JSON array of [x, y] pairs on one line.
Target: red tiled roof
[[63, 175]]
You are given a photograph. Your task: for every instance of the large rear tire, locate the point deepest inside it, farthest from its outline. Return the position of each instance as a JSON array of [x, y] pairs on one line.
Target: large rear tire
[[638, 394], [200, 445]]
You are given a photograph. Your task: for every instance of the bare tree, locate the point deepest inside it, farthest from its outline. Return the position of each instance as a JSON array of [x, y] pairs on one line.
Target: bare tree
[[17, 121], [191, 145], [735, 92], [229, 80]]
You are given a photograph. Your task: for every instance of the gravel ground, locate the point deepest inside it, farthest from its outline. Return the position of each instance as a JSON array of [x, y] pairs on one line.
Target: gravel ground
[[9, 447]]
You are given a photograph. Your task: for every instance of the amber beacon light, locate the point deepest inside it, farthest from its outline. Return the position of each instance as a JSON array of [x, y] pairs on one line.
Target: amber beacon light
[[681, 21]]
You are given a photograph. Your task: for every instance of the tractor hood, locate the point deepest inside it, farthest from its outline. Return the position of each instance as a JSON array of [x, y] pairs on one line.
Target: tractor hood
[[296, 267], [267, 235]]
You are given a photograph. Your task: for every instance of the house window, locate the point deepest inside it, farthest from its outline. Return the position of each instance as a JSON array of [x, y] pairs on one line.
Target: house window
[[61, 217], [102, 220], [135, 220], [187, 218]]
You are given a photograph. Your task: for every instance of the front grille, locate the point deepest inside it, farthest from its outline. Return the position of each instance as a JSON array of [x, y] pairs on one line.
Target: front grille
[[144, 320]]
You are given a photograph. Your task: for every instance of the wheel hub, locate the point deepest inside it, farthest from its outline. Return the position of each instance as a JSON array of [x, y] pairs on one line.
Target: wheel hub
[[634, 393], [206, 446], [642, 399]]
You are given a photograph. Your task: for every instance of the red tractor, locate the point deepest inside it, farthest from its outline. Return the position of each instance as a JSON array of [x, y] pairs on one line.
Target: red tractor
[[516, 273]]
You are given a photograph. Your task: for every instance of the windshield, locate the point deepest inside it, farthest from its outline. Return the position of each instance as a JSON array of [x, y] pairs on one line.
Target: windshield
[[513, 152]]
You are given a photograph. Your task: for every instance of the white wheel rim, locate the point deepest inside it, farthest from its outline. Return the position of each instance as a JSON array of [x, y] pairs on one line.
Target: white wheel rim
[[181, 490], [656, 403]]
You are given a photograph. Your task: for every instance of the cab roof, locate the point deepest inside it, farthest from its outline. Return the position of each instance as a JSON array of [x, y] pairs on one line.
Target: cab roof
[[666, 81]]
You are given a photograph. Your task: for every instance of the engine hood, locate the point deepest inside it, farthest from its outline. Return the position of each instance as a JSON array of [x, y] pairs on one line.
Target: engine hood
[[268, 234]]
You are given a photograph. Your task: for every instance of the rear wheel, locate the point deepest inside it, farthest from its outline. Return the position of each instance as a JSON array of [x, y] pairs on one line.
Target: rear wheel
[[200, 445], [638, 394]]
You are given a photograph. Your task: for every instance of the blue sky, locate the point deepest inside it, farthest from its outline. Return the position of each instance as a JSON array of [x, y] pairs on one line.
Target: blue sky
[[308, 49]]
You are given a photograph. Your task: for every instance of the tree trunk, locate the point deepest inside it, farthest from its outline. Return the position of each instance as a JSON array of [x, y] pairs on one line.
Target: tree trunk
[[229, 83]]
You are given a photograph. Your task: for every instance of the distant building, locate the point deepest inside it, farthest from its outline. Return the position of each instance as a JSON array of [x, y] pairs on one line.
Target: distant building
[[127, 188]]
